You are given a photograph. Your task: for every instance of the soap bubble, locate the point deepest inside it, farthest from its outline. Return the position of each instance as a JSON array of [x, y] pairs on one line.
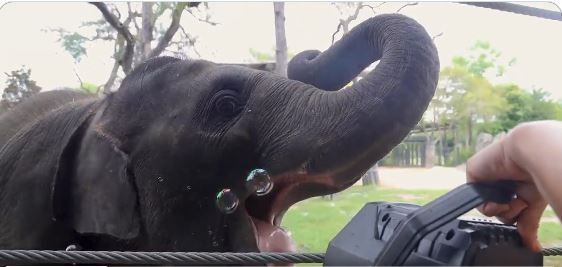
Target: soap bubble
[[227, 201], [73, 247], [259, 181]]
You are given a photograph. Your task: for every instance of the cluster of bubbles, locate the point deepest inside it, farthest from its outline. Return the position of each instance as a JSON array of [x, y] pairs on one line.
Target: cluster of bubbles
[[258, 181]]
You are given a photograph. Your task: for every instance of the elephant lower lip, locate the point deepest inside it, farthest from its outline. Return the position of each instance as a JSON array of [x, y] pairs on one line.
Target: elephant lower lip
[[266, 212], [271, 238]]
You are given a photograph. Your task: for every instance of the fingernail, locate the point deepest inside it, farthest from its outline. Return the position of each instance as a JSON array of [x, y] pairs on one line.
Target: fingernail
[[485, 207], [490, 209]]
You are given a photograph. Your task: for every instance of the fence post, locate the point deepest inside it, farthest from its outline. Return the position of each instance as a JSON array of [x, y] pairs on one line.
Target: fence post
[[429, 152]]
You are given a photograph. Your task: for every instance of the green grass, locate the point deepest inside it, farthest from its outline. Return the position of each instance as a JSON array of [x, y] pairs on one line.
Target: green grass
[[549, 213], [550, 233], [314, 222]]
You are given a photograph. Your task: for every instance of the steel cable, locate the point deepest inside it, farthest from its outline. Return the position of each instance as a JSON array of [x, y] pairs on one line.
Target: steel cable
[[553, 251], [519, 9], [40, 257]]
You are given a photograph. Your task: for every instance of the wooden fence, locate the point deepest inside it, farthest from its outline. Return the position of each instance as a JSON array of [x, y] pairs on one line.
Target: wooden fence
[[412, 152], [422, 151]]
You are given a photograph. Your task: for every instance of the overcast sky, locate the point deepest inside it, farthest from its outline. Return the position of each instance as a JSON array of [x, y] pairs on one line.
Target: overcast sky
[[535, 43]]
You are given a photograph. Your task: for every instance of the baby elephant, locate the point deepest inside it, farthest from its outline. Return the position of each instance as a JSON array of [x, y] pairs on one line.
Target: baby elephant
[[189, 155]]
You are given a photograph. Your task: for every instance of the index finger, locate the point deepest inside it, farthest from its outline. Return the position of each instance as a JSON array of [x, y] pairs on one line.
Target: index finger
[[492, 164]]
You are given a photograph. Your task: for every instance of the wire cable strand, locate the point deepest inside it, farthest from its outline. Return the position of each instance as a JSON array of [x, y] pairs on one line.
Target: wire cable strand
[[41, 257], [519, 9]]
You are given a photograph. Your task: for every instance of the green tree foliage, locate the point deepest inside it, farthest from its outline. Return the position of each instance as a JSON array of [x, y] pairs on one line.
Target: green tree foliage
[[90, 88], [467, 102], [261, 56], [472, 96], [465, 97], [74, 43], [19, 86], [523, 106], [483, 60]]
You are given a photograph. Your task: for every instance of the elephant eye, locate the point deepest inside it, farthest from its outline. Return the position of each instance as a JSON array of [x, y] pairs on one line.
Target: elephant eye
[[227, 105]]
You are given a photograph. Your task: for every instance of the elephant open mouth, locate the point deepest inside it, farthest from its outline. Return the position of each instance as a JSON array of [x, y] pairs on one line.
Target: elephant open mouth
[[266, 212]]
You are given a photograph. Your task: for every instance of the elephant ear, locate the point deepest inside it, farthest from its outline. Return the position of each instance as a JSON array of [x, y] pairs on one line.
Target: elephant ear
[[93, 191]]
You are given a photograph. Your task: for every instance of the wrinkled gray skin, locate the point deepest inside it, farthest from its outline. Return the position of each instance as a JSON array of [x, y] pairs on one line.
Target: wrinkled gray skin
[[139, 169]]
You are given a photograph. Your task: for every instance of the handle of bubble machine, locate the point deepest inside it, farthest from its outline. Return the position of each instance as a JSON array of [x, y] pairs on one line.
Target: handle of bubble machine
[[439, 212]]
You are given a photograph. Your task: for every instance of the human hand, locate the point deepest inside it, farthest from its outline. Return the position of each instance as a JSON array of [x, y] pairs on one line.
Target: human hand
[[525, 155]]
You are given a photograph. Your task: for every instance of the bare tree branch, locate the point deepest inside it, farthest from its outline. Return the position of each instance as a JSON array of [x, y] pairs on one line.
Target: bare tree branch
[[375, 7], [100, 36], [79, 78], [118, 49], [183, 31], [82, 82], [194, 4], [408, 4], [128, 20], [114, 10], [134, 15], [337, 31], [436, 36], [357, 10], [190, 40], [138, 43], [195, 50], [111, 79], [371, 7], [170, 32], [344, 23], [187, 36], [206, 19], [126, 60]]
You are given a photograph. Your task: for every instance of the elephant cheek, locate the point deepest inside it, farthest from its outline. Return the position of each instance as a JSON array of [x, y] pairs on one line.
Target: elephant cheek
[[241, 232]]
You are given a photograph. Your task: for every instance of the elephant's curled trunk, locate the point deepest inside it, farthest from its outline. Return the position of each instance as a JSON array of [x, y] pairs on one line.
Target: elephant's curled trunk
[[360, 124]]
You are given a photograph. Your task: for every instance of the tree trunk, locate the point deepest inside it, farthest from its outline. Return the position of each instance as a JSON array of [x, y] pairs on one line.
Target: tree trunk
[[435, 129], [429, 153], [126, 59], [444, 145], [456, 142], [345, 27], [371, 176], [469, 141], [147, 28], [280, 39]]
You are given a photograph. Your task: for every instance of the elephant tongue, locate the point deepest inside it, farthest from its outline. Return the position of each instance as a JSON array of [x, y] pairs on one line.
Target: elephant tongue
[[272, 238]]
